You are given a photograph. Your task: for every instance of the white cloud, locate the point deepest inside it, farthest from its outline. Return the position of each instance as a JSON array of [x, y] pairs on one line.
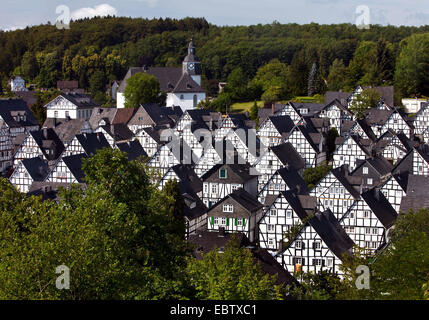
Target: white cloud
[[101, 10]]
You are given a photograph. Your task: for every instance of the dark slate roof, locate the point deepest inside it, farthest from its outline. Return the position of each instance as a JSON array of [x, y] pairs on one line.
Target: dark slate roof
[[245, 200], [170, 79], [27, 96], [159, 115], [36, 168], [108, 114], [339, 105], [133, 149], [189, 181], [288, 156], [283, 124], [91, 142], [380, 164], [377, 117], [119, 132], [74, 163], [66, 129], [312, 108], [206, 241], [264, 113], [293, 180], [303, 205], [414, 203], [345, 179], [155, 133], [380, 206], [48, 139], [194, 206], [418, 186], [10, 107], [236, 173], [367, 129], [337, 95], [82, 101], [70, 85], [404, 168]]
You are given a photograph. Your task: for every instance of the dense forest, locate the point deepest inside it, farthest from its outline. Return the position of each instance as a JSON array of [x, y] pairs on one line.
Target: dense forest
[[275, 60]]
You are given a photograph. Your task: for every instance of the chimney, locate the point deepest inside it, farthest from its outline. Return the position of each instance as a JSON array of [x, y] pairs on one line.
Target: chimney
[[272, 108], [55, 122]]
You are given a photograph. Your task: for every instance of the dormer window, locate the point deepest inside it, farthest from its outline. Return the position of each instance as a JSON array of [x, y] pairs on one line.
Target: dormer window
[[365, 170], [222, 174]]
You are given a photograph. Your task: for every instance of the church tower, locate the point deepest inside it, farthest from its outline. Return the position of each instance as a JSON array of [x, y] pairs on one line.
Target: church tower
[[192, 65]]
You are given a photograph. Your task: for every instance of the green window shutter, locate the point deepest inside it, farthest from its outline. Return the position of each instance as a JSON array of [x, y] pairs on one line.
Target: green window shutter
[[212, 220], [236, 223], [244, 222], [227, 222]]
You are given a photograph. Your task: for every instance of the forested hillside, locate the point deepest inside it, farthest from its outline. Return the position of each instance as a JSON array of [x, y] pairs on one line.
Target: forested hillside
[[314, 57]]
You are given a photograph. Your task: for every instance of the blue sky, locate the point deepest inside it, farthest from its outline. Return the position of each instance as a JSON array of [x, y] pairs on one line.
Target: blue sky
[[20, 13]]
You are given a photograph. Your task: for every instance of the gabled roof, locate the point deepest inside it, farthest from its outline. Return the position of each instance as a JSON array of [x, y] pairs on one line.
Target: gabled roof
[[346, 180], [244, 199], [283, 124], [133, 149], [170, 79], [288, 156], [387, 94], [82, 101], [123, 115], [293, 180], [48, 139], [119, 132], [339, 105], [378, 163], [11, 107], [236, 173], [189, 182], [264, 113], [66, 129], [380, 206], [36, 168], [74, 164], [337, 95], [91, 142]]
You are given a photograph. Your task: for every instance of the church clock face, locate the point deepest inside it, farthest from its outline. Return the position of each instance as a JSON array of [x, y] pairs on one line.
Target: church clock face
[[191, 66]]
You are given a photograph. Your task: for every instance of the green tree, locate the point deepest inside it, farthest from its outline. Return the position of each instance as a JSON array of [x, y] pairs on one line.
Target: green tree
[[273, 74], [115, 237], [97, 82], [330, 141], [174, 207], [313, 175], [237, 85], [382, 69], [337, 75], [29, 66], [254, 111], [368, 98], [411, 76], [143, 88], [231, 275]]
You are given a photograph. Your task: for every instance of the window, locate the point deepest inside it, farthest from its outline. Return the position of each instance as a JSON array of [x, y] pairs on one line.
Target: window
[[56, 114], [298, 245], [366, 214], [239, 222], [349, 229], [182, 97], [365, 170], [370, 181], [317, 245], [318, 262], [273, 212], [214, 188], [374, 231], [216, 221], [235, 187], [271, 242], [289, 214], [223, 221], [67, 114], [222, 174], [228, 208], [367, 230], [271, 228]]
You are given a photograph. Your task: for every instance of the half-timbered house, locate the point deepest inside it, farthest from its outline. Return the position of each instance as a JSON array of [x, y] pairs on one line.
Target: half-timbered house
[[239, 211], [68, 170], [28, 171], [71, 105]]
